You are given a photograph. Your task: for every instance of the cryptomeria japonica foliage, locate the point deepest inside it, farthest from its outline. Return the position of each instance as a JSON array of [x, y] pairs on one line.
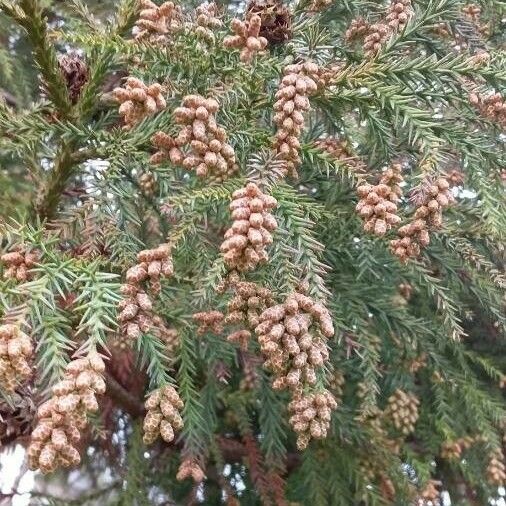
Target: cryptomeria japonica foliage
[[251, 253]]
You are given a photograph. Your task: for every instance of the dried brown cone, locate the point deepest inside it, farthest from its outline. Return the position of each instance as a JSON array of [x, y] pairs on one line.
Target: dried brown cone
[[299, 82], [358, 29], [496, 468], [207, 20], [378, 204], [292, 339], [310, 415], [402, 410], [156, 23], [62, 418], [247, 38], [276, 19], [163, 417], [138, 101], [245, 241], [19, 263], [209, 321], [200, 144], [16, 350], [75, 74], [189, 468], [340, 150]]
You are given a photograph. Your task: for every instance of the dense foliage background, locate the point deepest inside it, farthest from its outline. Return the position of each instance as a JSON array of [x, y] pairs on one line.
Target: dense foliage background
[[417, 359]]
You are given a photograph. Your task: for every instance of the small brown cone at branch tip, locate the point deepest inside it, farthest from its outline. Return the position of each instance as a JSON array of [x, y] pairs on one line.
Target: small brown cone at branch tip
[[156, 23], [19, 262]]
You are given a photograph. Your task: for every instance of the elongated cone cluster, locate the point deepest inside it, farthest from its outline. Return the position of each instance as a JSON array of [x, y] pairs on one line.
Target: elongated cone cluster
[[358, 28], [491, 107], [16, 350], [18, 264], [246, 38], [453, 449], [434, 196], [378, 204], [154, 264], [62, 418], [398, 14], [244, 242], [299, 82], [496, 469], [377, 35], [339, 149], [207, 20], [138, 101], [209, 321], [311, 415], [155, 22], [289, 339], [200, 144], [163, 415], [189, 468], [402, 409]]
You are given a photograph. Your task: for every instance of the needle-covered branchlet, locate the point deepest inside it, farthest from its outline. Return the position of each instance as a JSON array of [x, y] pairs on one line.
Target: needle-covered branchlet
[[16, 350], [378, 203], [209, 321], [247, 38], [207, 20], [63, 417], [163, 417], [292, 339], [402, 410], [491, 107], [138, 101], [299, 82], [251, 231], [18, 263], [310, 415], [156, 23], [200, 144], [190, 468], [430, 198]]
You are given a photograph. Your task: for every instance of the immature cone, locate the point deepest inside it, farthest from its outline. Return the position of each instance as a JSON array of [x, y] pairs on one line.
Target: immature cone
[[18, 263], [491, 107], [291, 337], [210, 321], [398, 14], [298, 83], [340, 150], [377, 35], [75, 74], [200, 144], [16, 350], [496, 469], [432, 197], [163, 415], [62, 418], [190, 469], [246, 38], [138, 101], [245, 241], [310, 415], [402, 409], [358, 29], [155, 22], [378, 204], [276, 19], [207, 20]]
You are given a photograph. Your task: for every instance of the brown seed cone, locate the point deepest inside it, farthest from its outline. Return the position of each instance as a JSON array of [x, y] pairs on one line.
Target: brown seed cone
[[247, 38], [16, 350], [496, 468], [276, 19], [402, 411], [156, 23], [19, 263], [75, 73]]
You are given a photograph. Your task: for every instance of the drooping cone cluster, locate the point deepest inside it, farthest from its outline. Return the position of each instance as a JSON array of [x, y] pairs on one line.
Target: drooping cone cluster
[[200, 144], [291, 337], [138, 101], [189, 468], [16, 350], [402, 409], [75, 74], [163, 415], [311, 415], [247, 38], [299, 82], [496, 469], [245, 241], [136, 308], [207, 20], [378, 203], [18, 263], [209, 321], [432, 197], [276, 19], [62, 418], [491, 107], [155, 22]]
